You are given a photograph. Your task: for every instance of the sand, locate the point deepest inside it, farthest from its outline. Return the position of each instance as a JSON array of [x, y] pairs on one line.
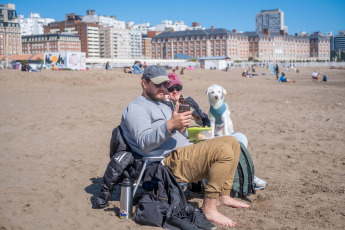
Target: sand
[[55, 129]]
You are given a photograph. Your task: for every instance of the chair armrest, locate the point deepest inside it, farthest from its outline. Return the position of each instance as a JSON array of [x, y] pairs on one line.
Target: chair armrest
[[155, 158]]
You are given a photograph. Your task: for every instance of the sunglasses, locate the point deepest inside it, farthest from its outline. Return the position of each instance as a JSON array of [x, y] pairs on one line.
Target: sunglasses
[[165, 84], [177, 87]]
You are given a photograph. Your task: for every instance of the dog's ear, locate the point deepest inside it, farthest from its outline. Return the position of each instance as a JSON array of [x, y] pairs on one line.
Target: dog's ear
[[208, 90], [224, 91]]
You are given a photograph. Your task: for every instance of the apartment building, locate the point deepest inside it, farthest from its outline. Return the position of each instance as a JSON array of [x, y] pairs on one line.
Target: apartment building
[[200, 43], [10, 33], [103, 21], [319, 47], [87, 32], [44, 43], [241, 46], [33, 24], [136, 43], [273, 20], [115, 43], [338, 41], [146, 46]]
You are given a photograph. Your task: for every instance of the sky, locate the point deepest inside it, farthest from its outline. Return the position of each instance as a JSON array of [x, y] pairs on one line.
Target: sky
[[299, 15]]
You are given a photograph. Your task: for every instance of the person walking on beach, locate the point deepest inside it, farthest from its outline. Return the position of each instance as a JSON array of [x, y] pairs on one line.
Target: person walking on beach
[[276, 70], [151, 129]]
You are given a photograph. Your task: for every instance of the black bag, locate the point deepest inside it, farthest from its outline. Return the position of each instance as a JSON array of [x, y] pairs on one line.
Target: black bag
[[162, 196], [151, 210]]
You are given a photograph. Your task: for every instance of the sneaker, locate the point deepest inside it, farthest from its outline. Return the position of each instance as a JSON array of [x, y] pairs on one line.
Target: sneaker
[[180, 220], [197, 217], [259, 183]]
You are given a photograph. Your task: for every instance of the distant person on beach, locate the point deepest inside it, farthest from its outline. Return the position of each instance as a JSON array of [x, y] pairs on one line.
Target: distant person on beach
[[182, 72], [137, 69], [316, 76], [24, 67], [276, 70], [27, 67], [107, 66], [160, 132], [127, 70], [283, 79]]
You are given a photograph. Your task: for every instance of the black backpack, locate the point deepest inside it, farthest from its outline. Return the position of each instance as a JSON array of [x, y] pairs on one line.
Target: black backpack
[[243, 184]]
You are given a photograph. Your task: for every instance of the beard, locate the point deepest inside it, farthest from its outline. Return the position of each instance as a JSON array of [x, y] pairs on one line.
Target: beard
[[155, 96]]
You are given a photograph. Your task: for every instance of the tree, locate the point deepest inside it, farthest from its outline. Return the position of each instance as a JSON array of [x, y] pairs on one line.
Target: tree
[[24, 62], [250, 59], [333, 54], [40, 61]]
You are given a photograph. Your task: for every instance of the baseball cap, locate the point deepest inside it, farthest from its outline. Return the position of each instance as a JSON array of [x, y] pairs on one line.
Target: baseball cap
[[175, 79], [157, 74]]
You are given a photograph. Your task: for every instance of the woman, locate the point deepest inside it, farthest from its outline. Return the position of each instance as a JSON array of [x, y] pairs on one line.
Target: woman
[[283, 79], [174, 95], [199, 117]]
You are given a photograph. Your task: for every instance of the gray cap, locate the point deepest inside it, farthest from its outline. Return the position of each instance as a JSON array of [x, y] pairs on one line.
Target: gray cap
[[157, 74]]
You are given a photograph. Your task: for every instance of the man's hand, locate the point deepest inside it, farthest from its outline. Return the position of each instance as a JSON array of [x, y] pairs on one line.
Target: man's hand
[[179, 121]]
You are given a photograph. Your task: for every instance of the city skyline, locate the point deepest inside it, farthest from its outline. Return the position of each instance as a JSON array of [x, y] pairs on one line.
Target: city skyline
[[308, 16]]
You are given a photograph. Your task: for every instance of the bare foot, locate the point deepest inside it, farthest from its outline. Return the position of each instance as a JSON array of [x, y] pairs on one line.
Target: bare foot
[[231, 202], [218, 218]]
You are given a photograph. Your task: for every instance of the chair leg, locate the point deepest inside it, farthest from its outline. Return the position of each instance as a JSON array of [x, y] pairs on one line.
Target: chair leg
[[140, 176]]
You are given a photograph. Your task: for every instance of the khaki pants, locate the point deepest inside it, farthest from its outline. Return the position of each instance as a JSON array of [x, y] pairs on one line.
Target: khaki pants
[[215, 159]]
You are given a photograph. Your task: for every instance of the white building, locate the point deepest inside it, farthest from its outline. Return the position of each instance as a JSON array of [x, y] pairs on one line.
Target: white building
[[103, 21], [176, 26], [115, 43], [136, 43], [93, 42], [34, 24], [166, 25]]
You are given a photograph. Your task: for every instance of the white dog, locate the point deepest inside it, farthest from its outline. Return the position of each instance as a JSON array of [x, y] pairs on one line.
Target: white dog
[[219, 113]]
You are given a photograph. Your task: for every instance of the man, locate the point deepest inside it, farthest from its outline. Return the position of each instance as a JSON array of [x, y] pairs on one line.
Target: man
[[151, 129], [276, 70], [107, 66]]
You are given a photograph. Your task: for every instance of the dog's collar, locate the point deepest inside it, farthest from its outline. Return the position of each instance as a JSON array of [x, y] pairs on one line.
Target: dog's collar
[[217, 113]]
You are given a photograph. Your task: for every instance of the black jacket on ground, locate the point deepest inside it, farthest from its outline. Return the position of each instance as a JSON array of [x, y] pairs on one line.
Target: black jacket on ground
[[162, 198], [123, 164]]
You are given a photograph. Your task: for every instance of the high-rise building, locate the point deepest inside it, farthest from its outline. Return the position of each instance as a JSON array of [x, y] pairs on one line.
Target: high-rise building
[[10, 35], [146, 46], [87, 32], [115, 43], [273, 20], [136, 43], [338, 42], [33, 24]]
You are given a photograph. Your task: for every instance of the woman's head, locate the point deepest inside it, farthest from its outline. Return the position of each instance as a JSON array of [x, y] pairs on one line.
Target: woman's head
[[175, 87]]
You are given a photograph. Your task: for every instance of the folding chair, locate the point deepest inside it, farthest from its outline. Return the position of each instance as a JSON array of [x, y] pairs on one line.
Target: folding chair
[[145, 159]]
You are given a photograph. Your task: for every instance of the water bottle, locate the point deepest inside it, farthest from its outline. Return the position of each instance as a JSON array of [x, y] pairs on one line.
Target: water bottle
[[126, 201]]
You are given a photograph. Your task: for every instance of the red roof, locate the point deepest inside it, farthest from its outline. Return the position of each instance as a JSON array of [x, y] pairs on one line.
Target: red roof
[[19, 57], [36, 56]]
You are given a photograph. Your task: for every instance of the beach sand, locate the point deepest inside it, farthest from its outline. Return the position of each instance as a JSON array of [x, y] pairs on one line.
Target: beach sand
[[55, 128]]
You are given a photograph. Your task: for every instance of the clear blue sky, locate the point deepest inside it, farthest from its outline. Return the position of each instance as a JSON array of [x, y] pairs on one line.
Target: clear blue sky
[[300, 15]]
